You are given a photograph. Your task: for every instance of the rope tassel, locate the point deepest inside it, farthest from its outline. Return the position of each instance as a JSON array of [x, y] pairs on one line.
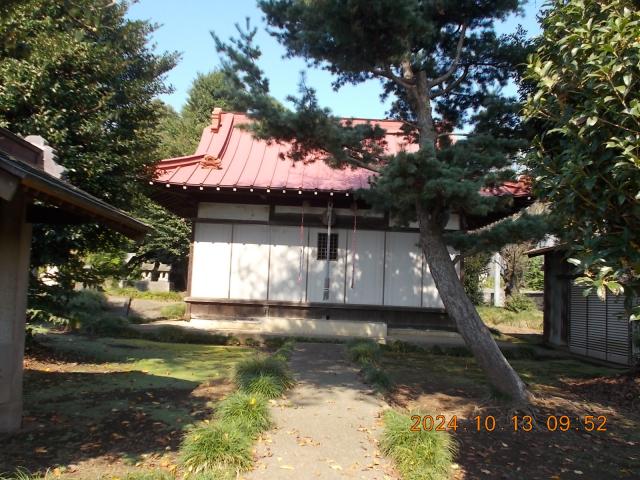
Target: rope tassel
[[353, 246], [327, 274]]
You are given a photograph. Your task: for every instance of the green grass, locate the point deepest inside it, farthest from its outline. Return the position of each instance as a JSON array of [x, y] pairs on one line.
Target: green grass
[[423, 455], [251, 412], [455, 371], [118, 367], [217, 446], [495, 316], [175, 310], [134, 293]]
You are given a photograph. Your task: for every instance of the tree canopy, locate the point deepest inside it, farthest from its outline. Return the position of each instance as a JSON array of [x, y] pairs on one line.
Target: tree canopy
[[586, 101], [443, 64], [84, 77], [180, 131]]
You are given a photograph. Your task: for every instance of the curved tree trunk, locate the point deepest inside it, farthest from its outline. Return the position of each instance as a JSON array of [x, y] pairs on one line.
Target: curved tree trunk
[[476, 335]]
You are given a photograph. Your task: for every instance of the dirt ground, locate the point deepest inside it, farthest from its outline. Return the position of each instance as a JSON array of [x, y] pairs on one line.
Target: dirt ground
[[448, 386]]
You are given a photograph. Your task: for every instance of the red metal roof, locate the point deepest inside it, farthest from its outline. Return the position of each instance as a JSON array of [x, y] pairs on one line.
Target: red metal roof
[[230, 157], [521, 188]]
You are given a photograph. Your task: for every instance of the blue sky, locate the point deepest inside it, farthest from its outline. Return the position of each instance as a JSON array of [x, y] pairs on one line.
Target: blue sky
[[185, 27]]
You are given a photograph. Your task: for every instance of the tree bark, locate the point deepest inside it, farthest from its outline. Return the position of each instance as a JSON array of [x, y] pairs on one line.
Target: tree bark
[[476, 335]]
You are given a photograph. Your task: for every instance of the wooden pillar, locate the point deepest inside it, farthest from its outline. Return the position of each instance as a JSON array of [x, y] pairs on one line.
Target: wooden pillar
[[15, 244]]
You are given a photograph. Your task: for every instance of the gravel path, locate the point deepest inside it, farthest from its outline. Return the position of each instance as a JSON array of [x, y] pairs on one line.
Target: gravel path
[[328, 425]]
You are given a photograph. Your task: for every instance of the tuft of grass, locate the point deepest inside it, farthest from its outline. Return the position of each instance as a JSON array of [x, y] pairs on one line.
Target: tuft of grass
[[274, 343], [149, 475], [376, 377], [285, 351], [216, 446], [251, 412], [260, 367], [175, 310], [267, 386], [423, 455], [22, 474], [363, 351]]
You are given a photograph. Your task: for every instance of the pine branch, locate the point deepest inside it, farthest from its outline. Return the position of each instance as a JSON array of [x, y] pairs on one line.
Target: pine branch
[[454, 65]]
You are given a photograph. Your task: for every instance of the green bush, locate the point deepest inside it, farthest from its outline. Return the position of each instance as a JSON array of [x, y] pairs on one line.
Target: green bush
[[475, 268], [251, 412], [87, 301], [519, 303], [363, 351], [215, 446], [105, 325], [423, 455], [534, 275]]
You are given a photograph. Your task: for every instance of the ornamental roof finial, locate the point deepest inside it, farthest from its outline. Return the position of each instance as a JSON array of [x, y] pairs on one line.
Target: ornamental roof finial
[[216, 119]]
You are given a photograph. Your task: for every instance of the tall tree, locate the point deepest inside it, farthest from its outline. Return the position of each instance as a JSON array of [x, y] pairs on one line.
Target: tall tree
[[443, 63], [83, 76], [180, 132], [586, 99]]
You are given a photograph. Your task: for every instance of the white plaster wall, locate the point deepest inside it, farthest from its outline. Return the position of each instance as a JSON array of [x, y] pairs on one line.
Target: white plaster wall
[[231, 211], [369, 267], [403, 270], [315, 285], [286, 281], [346, 212], [249, 262], [211, 260]]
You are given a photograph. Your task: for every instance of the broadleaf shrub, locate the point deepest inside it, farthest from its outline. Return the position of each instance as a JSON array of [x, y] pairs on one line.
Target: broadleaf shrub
[[519, 303]]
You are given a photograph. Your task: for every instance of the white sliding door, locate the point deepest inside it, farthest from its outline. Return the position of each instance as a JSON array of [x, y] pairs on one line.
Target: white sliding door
[[288, 264], [249, 262], [211, 261]]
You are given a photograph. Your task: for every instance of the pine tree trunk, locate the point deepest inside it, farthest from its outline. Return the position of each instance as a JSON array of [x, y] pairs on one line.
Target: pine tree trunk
[[459, 307]]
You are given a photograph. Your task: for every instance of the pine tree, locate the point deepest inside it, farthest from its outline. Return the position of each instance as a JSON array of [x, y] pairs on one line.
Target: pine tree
[[443, 64]]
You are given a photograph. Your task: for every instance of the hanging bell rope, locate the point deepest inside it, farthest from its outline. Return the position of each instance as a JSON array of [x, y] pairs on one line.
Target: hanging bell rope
[[354, 245], [302, 242], [327, 271]]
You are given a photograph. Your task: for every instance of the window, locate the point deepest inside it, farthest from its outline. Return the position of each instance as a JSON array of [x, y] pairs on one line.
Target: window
[[322, 246]]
